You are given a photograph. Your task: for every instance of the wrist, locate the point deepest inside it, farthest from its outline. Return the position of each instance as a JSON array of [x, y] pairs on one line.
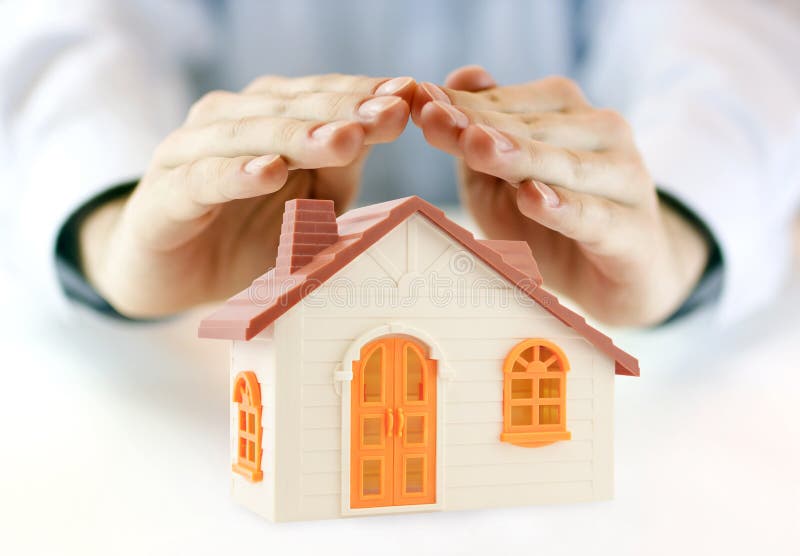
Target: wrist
[[81, 244], [689, 248], [94, 236]]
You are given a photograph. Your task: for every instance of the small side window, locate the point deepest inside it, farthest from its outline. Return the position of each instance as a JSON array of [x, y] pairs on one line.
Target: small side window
[[247, 396]]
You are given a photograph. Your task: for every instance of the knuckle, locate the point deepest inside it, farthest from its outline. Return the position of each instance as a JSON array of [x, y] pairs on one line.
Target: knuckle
[[612, 122], [208, 103], [611, 117], [214, 98], [348, 82], [576, 165], [217, 171], [280, 107], [591, 220], [318, 82], [563, 85], [569, 226], [201, 171], [163, 150], [194, 177], [536, 126], [494, 99], [314, 82], [532, 118], [478, 117], [566, 89], [260, 83], [633, 169], [603, 216], [182, 190], [338, 104], [531, 151], [237, 128], [189, 171], [287, 133]]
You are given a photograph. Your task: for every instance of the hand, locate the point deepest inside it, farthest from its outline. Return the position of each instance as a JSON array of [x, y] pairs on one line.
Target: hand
[[538, 163], [205, 219]]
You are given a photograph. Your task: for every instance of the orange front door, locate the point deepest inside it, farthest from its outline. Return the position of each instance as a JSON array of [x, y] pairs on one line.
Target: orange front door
[[393, 425]]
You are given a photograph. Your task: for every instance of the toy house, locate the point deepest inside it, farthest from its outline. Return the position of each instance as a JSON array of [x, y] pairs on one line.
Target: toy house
[[391, 362]]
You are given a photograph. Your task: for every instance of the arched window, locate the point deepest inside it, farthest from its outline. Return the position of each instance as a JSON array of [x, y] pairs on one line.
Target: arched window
[[535, 394], [247, 396]]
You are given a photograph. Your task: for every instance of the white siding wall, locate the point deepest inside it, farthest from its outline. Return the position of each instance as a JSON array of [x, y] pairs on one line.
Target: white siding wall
[[477, 470], [258, 355]]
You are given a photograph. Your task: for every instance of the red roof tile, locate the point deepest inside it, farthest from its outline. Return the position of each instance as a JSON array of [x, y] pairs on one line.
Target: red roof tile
[[269, 296], [517, 254]]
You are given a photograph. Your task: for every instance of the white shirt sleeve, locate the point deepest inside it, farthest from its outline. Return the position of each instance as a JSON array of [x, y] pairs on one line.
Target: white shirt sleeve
[[89, 88], [712, 90]]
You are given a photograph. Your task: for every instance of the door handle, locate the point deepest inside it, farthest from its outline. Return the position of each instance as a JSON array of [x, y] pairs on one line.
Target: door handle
[[389, 421], [401, 424]]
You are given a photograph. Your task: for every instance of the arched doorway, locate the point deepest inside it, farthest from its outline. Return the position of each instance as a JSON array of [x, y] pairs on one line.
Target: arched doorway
[[393, 425]]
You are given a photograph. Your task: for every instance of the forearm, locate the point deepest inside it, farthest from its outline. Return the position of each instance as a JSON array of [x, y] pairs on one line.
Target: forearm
[[696, 255], [85, 104], [709, 86]]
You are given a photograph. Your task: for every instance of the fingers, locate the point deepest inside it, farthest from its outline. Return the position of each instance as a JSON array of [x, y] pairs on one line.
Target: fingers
[[312, 121], [590, 130], [302, 144], [551, 94], [470, 78], [334, 83], [440, 121], [618, 177], [181, 202], [543, 130], [192, 189], [516, 157], [383, 117], [597, 223], [425, 93], [442, 124]]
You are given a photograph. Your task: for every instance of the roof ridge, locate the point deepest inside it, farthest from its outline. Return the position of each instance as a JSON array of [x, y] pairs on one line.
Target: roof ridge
[[242, 317]]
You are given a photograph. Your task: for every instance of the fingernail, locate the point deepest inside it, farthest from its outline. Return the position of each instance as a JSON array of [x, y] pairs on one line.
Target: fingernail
[[393, 85], [457, 117], [257, 164], [549, 196], [374, 106], [501, 142], [324, 132], [436, 93]]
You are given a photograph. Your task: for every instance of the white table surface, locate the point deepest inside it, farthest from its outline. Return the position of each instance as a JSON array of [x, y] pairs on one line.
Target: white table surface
[[115, 442]]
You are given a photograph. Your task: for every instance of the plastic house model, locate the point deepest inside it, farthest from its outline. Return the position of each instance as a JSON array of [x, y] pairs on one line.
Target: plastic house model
[[391, 362]]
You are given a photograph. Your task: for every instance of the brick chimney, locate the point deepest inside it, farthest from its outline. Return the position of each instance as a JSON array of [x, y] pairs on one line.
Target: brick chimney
[[309, 226]]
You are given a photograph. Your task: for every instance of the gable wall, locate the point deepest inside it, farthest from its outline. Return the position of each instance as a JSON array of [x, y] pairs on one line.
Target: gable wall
[[475, 333]]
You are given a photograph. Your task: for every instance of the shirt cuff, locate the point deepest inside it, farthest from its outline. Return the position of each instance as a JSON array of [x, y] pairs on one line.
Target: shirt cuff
[[69, 270], [704, 164], [709, 287]]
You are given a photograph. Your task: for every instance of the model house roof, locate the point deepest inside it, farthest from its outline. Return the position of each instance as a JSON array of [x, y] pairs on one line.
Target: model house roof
[[314, 245]]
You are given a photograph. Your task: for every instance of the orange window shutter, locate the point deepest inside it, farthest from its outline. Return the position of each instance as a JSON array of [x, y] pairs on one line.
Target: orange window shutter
[[247, 396]]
